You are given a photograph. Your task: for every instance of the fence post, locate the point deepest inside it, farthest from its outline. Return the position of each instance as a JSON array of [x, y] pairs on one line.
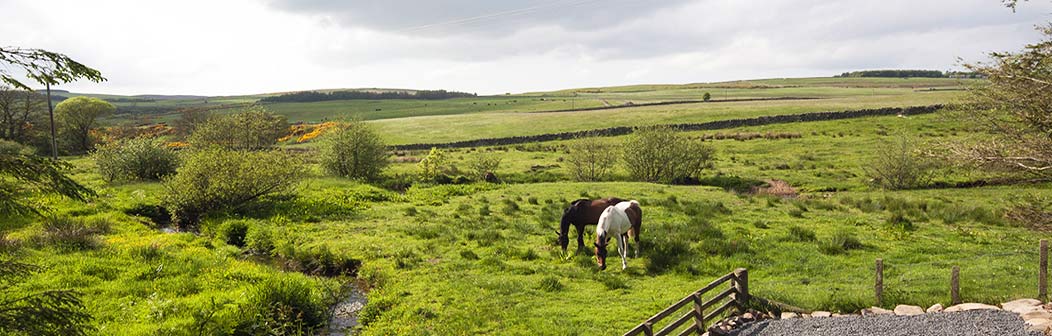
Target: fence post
[[955, 285], [648, 328], [699, 314], [1042, 274], [741, 285], [879, 287]]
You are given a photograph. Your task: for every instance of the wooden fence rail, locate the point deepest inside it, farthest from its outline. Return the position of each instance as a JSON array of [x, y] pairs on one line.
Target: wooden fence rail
[[693, 319]]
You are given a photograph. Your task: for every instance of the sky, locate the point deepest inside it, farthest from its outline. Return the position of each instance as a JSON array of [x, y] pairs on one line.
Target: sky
[[230, 47]]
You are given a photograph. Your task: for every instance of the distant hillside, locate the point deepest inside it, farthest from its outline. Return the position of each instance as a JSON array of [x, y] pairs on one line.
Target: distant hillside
[[315, 96], [910, 74]]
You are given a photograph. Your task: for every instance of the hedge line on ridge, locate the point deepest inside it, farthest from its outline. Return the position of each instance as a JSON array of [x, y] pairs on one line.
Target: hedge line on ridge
[[711, 125]]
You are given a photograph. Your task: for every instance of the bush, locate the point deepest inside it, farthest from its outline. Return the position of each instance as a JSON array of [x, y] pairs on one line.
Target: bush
[[899, 166], [233, 232], [658, 154], [354, 151], [591, 159], [134, 160], [254, 129], [216, 179], [483, 163], [281, 307]]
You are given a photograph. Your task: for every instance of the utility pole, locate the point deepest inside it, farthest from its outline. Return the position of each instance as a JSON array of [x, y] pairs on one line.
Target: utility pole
[[51, 114]]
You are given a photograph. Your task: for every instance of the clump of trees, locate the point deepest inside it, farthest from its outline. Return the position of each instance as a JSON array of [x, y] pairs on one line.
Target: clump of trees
[[354, 151], [658, 154], [315, 96], [135, 159], [21, 114], [254, 129], [77, 117], [895, 73], [217, 179]]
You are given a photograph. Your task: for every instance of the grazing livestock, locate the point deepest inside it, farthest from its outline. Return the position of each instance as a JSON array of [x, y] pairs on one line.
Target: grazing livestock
[[618, 221], [580, 213]]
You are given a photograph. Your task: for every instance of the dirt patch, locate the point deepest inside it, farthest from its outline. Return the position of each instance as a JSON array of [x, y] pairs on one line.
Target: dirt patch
[[775, 187]]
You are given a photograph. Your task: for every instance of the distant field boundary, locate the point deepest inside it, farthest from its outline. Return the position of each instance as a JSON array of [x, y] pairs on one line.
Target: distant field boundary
[[711, 125], [674, 102]]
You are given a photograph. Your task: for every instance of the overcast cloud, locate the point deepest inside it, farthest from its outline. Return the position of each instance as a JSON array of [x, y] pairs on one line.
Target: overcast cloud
[[252, 46]]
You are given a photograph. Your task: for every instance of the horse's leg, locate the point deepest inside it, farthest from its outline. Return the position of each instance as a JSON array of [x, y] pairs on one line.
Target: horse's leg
[[580, 236], [623, 250]]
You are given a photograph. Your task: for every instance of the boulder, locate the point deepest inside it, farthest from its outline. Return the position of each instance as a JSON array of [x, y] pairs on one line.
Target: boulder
[[876, 311], [1037, 314], [789, 315], [1022, 306], [821, 314], [935, 308], [970, 306], [1039, 325], [908, 310]]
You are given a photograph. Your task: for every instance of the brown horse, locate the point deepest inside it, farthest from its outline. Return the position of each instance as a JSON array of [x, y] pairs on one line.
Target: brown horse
[[580, 213]]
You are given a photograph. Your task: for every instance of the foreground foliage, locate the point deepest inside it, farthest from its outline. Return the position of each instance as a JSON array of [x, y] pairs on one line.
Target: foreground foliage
[[216, 179]]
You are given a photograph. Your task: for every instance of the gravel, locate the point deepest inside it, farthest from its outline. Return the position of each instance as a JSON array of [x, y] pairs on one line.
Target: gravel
[[966, 323]]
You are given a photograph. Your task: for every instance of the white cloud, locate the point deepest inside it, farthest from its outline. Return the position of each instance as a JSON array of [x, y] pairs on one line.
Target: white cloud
[[252, 46]]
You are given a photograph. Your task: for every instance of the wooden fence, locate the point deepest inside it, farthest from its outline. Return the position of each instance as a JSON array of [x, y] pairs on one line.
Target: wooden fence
[[692, 318]]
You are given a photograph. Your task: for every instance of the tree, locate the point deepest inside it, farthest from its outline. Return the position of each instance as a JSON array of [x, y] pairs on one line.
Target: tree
[[706, 97], [20, 111], [432, 165], [22, 174], [355, 151], [658, 154], [216, 179], [591, 159], [77, 117], [190, 119], [1013, 111], [48, 68], [254, 129]]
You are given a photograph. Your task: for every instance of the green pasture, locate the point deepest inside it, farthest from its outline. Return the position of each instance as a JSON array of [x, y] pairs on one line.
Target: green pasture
[[481, 258]]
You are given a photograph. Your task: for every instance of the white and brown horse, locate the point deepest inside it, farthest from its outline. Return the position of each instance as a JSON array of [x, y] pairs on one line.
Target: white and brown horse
[[580, 213], [618, 221]]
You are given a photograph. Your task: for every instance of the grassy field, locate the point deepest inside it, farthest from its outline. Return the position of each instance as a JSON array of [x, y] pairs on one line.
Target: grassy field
[[481, 258]]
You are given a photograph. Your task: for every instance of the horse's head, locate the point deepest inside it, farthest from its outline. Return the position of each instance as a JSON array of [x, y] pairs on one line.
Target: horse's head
[[600, 250]]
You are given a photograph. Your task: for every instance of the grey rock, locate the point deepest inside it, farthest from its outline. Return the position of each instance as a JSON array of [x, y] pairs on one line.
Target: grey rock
[[966, 323]]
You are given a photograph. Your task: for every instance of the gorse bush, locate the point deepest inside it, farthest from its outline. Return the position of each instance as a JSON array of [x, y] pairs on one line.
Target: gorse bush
[[658, 154], [482, 164], [135, 159], [216, 179], [354, 151], [254, 129]]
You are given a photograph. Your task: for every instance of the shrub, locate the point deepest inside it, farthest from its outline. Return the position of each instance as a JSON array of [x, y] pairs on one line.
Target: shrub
[[216, 179], [435, 166], [483, 163], [658, 154], [281, 307], [591, 159], [840, 242], [706, 96], [801, 234], [899, 222], [354, 151], [233, 232], [254, 129], [259, 239], [134, 159], [899, 165]]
